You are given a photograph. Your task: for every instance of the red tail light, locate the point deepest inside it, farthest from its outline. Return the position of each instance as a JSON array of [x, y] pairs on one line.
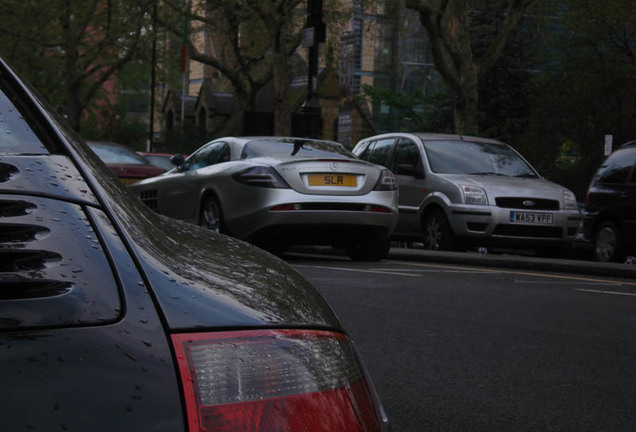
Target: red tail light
[[386, 182], [274, 380], [261, 176]]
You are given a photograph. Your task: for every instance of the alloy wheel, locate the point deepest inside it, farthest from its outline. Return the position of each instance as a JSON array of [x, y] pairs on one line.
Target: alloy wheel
[[606, 244], [211, 216]]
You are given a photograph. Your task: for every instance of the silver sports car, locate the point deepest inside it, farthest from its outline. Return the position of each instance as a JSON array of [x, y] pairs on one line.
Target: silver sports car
[[276, 192]]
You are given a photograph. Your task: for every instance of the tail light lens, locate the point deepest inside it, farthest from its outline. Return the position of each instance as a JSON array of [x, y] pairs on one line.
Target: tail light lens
[[275, 380], [262, 177], [386, 182]]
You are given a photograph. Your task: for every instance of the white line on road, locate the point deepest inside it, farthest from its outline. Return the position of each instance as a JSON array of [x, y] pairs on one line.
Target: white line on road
[[521, 273], [607, 292], [543, 282], [361, 271]]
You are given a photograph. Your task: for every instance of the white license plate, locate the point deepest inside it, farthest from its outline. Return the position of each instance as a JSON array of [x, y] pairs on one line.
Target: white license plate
[[531, 218]]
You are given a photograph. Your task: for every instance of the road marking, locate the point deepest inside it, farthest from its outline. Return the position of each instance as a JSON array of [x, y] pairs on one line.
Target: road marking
[[568, 283], [546, 275], [361, 271], [410, 270], [606, 292], [430, 271]]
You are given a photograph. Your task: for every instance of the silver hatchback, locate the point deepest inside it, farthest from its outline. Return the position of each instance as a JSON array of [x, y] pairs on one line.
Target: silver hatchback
[[459, 191]]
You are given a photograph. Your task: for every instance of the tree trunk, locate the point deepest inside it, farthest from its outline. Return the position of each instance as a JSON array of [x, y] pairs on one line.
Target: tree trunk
[[281, 76], [447, 24], [466, 100]]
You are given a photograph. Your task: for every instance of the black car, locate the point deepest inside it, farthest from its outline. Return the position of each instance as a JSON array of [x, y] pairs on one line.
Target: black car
[[113, 318], [609, 217]]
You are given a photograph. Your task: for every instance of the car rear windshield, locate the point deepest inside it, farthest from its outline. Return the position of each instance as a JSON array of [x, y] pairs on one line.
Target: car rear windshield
[[294, 147], [16, 136], [617, 167], [463, 157]]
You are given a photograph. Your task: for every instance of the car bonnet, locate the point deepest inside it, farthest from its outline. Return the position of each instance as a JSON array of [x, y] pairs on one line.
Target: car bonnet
[[505, 186]]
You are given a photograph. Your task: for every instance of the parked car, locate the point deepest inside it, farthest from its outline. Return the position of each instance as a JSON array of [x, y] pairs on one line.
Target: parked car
[[609, 215], [125, 163], [114, 318], [275, 192], [162, 160], [459, 191]]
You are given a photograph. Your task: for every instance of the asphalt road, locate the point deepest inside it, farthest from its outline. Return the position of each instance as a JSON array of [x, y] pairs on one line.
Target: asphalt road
[[463, 342]]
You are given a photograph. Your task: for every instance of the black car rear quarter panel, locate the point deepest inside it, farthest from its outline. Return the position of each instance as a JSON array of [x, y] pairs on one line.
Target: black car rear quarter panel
[[208, 280], [99, 376]]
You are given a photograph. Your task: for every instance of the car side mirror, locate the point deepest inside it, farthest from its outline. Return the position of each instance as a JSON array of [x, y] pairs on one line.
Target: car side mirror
[[178, 160]]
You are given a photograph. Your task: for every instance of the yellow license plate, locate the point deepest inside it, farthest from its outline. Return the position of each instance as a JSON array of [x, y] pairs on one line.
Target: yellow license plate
[[333, 180]]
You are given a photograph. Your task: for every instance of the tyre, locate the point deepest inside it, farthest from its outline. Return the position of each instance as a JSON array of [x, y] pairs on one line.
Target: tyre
[[369, 250], [607, 243], [437, 233], [210, 217]]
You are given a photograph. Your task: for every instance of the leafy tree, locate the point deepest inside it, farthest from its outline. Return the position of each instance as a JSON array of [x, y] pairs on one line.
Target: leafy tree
[[461, 58], [588, 93], [253, 42], [413, 111], [70, 49]]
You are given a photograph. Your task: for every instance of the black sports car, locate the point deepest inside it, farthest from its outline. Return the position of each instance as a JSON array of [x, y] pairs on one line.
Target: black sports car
[[113, 318]]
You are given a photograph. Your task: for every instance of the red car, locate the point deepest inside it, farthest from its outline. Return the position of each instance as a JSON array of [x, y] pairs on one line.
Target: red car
[[125, 163]]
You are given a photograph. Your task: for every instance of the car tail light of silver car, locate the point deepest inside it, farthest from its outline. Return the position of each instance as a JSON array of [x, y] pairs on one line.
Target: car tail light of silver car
[[261, 177], [275, 380], [474, 195], [387, 181]]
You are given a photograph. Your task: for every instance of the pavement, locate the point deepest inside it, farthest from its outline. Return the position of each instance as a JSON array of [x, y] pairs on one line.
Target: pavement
[[518, 262]]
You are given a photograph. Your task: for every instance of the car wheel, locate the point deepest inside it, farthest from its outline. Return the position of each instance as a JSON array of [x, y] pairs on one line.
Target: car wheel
[[607, 243], [369, 250], [211, 215], [438, 234]]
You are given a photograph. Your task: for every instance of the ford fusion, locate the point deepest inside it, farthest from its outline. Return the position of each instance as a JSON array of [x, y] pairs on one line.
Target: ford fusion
[[458, 191], [114, 318]]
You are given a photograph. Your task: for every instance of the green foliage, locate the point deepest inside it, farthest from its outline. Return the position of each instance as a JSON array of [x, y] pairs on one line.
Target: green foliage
[[70, 49], [412, 111], [590, 93]]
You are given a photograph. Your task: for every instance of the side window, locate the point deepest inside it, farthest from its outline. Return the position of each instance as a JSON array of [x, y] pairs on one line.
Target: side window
[[366, 151], [381, 151], [406, 158], [16, 135], [211, 154]]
